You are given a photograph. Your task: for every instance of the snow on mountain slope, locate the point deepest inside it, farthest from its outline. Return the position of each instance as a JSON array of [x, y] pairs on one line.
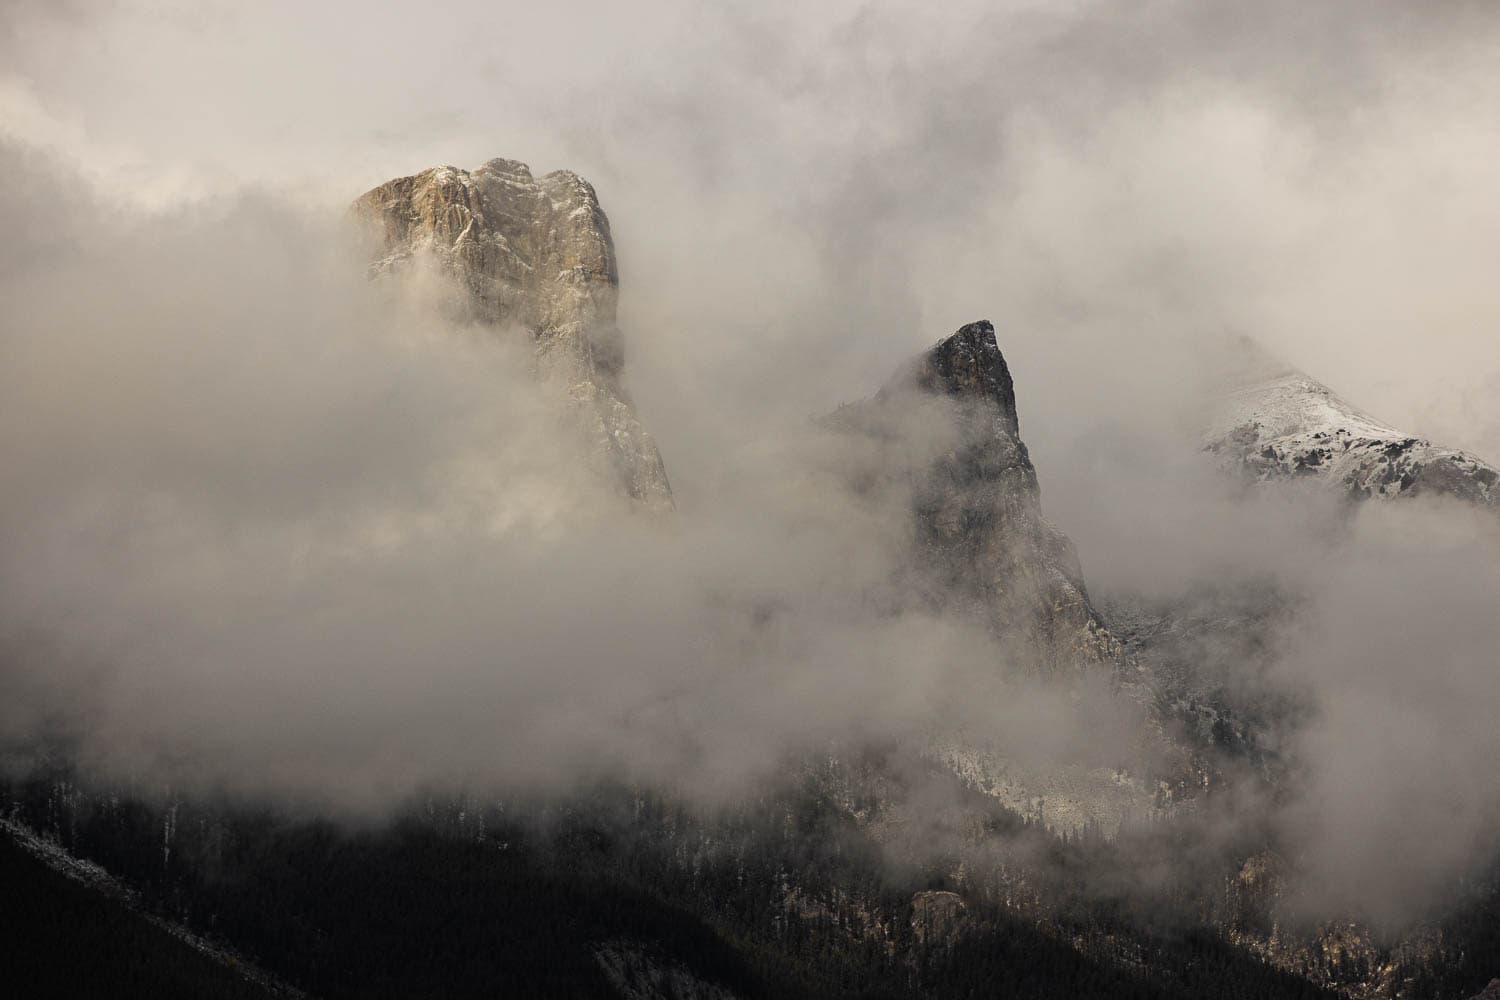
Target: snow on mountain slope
[[1283, 424]]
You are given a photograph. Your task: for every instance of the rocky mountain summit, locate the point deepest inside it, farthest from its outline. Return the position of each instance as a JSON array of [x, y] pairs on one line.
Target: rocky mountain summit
[[1280, 424], [944, 434], [534, 254], [946, 428]]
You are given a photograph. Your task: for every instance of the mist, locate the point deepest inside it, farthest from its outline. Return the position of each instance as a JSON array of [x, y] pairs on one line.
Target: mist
[[272, 527], [281, 530]]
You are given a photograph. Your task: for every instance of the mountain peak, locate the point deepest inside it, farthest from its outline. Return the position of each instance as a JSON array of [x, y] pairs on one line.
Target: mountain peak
[[535, 254], [966, 365], [981, 535], [1277, 423], [941, 435]]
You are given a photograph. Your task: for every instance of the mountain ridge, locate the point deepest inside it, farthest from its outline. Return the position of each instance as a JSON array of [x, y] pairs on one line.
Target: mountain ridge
[[1276, 423]]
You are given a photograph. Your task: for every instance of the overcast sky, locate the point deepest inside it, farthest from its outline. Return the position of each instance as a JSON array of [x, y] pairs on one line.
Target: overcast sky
[[1121, 176]]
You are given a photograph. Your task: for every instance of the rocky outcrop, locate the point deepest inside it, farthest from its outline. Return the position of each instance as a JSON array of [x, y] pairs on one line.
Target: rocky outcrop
[[1278, 424], [945, 428], [534, 254], [943, 435]]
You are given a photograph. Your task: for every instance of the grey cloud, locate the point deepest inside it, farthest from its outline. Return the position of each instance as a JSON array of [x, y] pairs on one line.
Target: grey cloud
[[283, 531]]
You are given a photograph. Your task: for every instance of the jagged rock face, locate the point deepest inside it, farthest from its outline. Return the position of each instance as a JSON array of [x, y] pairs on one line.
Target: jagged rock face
[[1285, 425], [533, 253], [944, 433], [981, 540]]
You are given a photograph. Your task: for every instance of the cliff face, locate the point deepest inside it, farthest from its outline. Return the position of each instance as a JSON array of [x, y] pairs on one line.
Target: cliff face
[[980, 539], [533, 253]]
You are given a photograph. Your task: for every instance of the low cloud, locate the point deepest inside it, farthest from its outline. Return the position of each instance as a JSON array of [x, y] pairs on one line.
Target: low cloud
[[283, 531], [1399, 796], [270, 525]]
